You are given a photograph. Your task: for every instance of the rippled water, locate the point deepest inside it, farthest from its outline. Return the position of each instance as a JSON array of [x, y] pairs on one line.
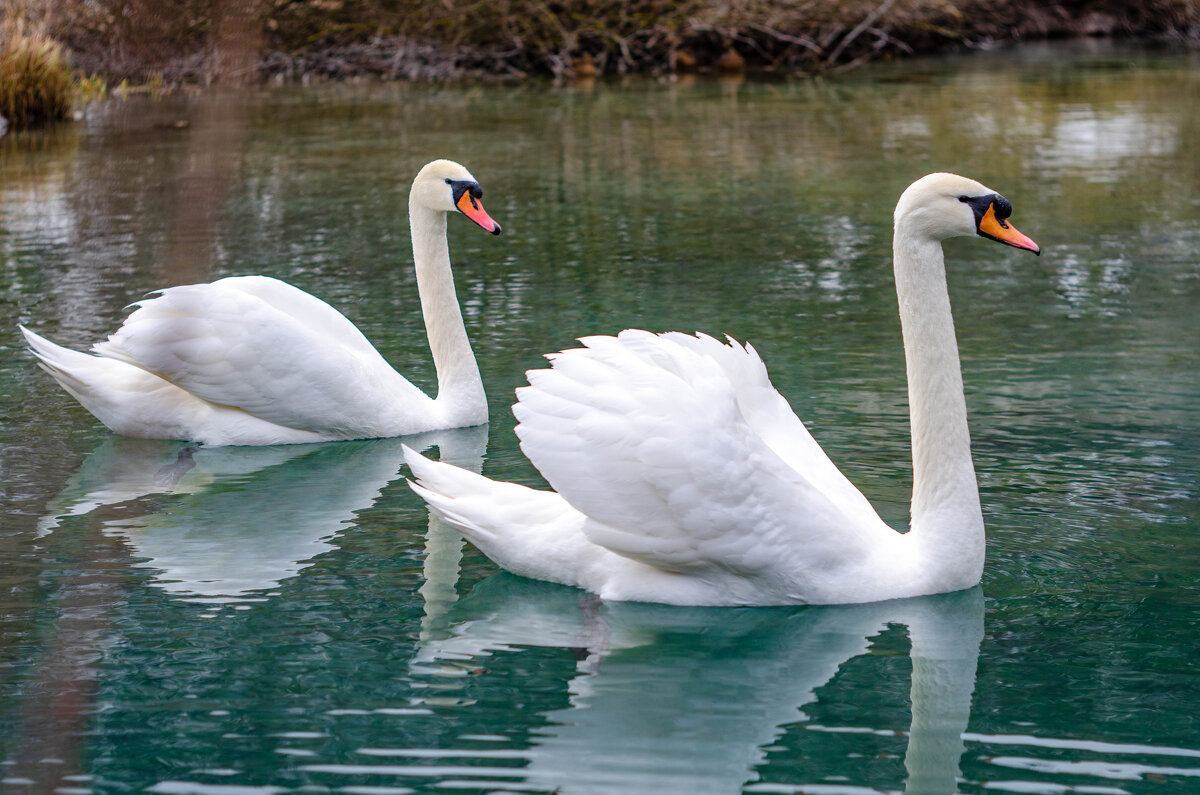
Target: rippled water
[[286, 619]]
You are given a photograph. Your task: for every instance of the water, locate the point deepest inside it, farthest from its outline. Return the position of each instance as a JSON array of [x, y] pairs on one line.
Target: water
[[285, 619]]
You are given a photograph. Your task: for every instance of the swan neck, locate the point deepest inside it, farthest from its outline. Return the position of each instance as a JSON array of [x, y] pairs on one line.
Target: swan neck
[[945, 503], [460, 388]]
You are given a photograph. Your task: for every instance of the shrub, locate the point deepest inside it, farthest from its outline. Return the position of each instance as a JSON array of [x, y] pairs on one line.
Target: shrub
[[35, 76]]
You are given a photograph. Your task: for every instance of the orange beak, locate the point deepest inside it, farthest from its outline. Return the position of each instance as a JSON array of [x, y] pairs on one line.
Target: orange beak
[[1004, 232], [473, 209]]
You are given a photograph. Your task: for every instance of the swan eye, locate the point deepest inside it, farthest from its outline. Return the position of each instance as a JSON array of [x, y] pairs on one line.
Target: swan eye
[[964, 199]]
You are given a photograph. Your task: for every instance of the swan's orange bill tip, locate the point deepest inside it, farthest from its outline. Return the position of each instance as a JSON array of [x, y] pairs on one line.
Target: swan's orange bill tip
[[1004, 232], [473, 209]]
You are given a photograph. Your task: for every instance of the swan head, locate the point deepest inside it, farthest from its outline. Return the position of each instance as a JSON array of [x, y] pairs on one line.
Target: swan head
[[938, 206], [445, 186]]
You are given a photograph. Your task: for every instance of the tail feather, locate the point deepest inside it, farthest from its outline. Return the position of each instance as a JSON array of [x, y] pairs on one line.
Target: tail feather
[[442, 506], [63, 364], [126, 398], [529, 532], [470, 502]]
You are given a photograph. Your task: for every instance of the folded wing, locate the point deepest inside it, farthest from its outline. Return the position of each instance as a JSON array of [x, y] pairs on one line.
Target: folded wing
[[266, 348], [684, 457]]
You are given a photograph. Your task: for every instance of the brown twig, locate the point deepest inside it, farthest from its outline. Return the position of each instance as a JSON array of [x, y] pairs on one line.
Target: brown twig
[[867, 22], [778, 35]]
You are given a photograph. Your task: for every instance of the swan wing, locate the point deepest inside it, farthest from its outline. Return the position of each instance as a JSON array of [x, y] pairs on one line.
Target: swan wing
[[306, 308], [684, 457], [267, 348]]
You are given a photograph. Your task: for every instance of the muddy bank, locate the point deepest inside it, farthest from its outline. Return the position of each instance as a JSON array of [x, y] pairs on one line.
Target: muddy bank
[[785, 37], [455, 39]]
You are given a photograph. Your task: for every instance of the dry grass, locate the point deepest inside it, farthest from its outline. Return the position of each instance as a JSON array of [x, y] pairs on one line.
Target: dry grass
[[35, 75]]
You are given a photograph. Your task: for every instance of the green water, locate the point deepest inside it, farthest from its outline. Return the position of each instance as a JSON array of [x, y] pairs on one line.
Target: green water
[[285, 619]]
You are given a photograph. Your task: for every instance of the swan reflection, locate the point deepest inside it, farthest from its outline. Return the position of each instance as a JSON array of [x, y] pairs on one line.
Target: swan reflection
[[223, 524], [668, 699]]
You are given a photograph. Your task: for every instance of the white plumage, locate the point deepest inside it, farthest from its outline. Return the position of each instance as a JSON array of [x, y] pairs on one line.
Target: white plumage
[[254, 360], [682, 476]]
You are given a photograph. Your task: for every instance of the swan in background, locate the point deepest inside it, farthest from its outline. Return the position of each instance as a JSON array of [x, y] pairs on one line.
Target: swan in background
[[226, 524], [251, 360], [725, 687], [683, 476]]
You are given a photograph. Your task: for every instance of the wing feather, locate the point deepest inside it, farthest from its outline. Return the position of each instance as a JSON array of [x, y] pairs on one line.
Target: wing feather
[[265, 347], [687, 459]]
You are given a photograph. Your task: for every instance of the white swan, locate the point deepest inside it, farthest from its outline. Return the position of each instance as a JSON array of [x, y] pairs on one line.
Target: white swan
[[683, 477], [252, 360]]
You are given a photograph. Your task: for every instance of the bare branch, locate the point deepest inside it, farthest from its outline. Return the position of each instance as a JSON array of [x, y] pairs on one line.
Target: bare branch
[[867, 22]]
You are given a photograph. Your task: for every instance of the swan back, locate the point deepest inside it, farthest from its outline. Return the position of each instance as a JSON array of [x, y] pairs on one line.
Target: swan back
[[234, 343]]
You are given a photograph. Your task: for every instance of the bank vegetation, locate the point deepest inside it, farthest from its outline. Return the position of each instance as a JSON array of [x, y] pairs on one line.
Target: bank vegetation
[[238, 41]]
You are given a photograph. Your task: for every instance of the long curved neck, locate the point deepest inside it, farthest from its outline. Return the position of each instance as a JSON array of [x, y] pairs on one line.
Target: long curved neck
[[946, 515], [460, 389]]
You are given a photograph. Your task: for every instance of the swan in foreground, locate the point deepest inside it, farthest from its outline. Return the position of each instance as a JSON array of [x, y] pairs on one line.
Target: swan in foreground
[[252, 360], [683, 476]]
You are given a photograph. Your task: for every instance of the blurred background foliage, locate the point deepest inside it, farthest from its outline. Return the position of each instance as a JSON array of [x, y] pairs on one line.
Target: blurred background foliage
[[35, 74]]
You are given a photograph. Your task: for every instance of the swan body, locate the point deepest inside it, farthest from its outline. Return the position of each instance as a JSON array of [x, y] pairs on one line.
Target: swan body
[[251, 360], [682, 476]]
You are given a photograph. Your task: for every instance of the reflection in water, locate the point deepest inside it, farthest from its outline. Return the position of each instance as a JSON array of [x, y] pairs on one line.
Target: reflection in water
[[443, 544], [216, 139], [216, 525], [655, 707], [1102, 143], [219, 524]]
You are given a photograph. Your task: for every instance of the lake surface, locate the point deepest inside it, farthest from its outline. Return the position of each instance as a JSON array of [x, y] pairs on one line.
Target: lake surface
[[287, 619]]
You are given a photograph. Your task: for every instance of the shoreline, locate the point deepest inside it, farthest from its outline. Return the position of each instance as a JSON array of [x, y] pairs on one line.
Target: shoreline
[[823, 38]]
